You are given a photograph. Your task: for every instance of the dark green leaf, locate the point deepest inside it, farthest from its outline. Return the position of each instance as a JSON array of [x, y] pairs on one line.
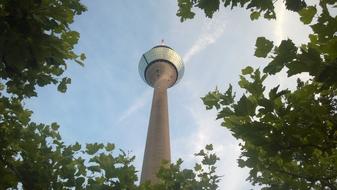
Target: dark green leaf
[[209, 6], [94, 168], [76, 147], [295, 5], [109, 147], [248, 70], [263, 47], [254, 15], [93, 148], [307, 14], [285, 53], [212, 100], [184, 11], [244, 107], [62, 87], [209, 147], [55, 126]]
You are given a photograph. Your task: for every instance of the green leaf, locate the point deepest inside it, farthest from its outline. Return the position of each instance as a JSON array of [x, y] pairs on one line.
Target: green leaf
[[55, 126], [210, 160], [308, 61], [107, 164], [244, 83], [307, 14], [209, 147], [2, 86], [93, 148], [24, 116], [244, 107], [241, 163], [197, 167], [226, 111], [254, 15], [248, 70], [329, 48], [263, 47], [209, 6], [62, 87], [57, 71], [109, 147], [267, 104], [285, 54], [328, 75], [295, 5], [184, 11], [94, 168], [201, 153], [76, 147], [228, 97], [211, 100], [79, 181], [71, 37], [82, 56]]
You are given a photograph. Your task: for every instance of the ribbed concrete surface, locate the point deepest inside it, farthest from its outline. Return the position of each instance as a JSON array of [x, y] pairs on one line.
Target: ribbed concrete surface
[[161, 76]]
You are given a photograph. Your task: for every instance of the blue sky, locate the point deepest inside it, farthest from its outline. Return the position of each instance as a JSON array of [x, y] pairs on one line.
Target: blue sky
[[108, 102]]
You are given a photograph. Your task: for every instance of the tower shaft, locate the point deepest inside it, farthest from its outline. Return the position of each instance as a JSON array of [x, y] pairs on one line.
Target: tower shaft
[[158, 138]]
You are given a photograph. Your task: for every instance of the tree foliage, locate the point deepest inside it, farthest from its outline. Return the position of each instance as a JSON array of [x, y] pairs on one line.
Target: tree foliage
[[256, 7], [36, 42], [289, 136], [34, 156], [41, 160], [36, 45], [201, 177]]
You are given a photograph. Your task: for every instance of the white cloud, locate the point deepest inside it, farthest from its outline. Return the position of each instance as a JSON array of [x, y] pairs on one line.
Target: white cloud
[[213, 30], [137, 105]]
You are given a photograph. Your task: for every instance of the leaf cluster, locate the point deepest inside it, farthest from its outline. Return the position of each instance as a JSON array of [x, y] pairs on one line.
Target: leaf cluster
[[201, 177], [256, 7], [35, 45], [36, 157], [289, 137], [36, 42]]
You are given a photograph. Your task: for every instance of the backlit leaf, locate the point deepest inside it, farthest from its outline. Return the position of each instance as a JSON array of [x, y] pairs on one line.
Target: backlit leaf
[[263, 47], [307, 14]]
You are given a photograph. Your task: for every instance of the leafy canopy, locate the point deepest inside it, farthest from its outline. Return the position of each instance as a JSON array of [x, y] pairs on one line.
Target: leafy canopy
[[36, 44], [289, 137], [256, 7], [202, 176]]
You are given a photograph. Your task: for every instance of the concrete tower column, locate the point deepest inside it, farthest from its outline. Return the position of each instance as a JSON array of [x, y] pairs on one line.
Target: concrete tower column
[[161, 76], [158, 138], [161, 68]]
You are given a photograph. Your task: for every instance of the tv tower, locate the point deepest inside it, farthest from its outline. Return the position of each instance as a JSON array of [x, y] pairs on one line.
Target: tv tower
[[161, 68]]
